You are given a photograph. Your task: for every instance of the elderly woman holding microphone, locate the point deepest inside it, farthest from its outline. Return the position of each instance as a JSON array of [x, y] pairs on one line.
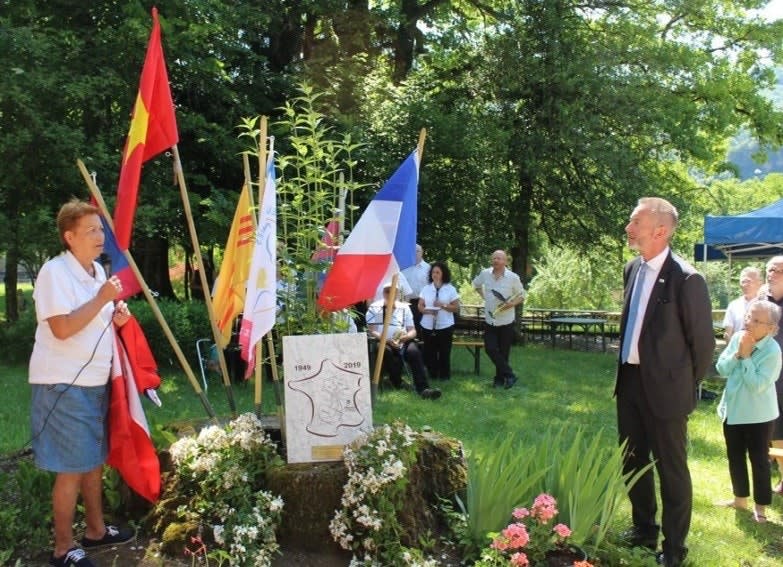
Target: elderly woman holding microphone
[[751, 363]]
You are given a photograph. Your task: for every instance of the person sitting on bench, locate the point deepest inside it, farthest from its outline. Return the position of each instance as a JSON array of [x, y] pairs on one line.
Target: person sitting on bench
[[400, 346]]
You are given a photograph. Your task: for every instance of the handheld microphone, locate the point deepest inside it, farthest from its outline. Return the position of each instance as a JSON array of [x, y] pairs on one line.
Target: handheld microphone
[[105, 260]]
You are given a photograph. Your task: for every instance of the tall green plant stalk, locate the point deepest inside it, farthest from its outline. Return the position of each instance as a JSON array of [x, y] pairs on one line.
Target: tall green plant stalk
[[584, 474], [496, 479], [314, 167]]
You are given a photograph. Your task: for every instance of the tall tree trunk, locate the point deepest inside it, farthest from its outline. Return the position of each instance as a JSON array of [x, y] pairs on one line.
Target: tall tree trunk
[[409, 39], [520, 249], [406, 37], [152, 256], [10, 281]]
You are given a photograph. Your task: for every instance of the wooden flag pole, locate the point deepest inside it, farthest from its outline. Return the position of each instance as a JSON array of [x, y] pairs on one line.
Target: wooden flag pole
[[203, 276], [262, 137], [420, 145], [95, 192], [257, 393], [376, 375]]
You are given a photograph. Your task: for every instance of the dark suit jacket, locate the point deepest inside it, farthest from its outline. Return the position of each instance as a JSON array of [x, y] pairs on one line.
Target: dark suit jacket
[[677, 341]]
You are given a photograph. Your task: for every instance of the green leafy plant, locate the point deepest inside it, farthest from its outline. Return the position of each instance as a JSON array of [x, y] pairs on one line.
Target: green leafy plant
[[585, 473], [503, 472], [25, 516], [316, 174], [221, 474]]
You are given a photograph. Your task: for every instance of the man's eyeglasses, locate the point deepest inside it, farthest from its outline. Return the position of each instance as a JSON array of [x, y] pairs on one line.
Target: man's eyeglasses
[[775, 270]]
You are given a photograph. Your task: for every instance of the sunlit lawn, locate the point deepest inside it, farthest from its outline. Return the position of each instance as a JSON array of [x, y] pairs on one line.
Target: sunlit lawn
[[557, 388]]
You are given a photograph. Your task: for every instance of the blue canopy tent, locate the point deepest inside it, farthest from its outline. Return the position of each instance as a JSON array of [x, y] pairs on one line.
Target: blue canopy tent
[[756, 234]]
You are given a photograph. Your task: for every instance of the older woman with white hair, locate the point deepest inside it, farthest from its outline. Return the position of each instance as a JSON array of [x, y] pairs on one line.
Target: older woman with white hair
[[751, 364]]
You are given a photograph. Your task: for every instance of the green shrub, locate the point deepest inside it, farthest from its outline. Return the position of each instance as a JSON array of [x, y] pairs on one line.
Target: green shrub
[[188, 322], [187, 319], [25, 513], [17, 338], [583, 473]]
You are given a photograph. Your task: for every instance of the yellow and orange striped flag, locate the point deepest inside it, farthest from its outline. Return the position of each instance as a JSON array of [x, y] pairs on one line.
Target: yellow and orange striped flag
[[228, 298]]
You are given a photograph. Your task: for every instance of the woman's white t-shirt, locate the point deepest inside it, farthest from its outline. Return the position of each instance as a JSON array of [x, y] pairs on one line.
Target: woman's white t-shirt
[[62, 286]]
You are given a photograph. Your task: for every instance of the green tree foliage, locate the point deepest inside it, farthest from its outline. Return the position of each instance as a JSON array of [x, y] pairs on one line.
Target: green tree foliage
[[568, 279], [559, 115]]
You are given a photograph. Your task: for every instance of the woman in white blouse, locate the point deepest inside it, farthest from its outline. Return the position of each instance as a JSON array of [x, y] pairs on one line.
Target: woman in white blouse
[[438, 302]]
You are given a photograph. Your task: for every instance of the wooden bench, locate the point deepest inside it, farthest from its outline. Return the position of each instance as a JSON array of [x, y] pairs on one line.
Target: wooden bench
[[474, 346], [775, 452]]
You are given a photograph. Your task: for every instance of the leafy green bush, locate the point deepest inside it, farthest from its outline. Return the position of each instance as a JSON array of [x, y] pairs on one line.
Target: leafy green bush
[[187, 320], [17, 338], [584, 474], [568, 279], [25, 513]]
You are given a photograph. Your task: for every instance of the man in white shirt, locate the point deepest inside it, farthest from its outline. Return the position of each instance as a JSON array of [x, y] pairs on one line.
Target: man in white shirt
[[400, 345], [417, 276], [502, 291], [750, 283]]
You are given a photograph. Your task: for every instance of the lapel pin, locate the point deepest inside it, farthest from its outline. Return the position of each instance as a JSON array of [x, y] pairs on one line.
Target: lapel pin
[[660, 280]]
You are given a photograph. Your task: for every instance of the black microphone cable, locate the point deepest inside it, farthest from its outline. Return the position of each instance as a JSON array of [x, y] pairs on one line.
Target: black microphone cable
[[72, 382]]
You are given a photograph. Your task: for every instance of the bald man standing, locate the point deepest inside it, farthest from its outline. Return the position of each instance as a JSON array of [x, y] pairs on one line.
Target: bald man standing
[[503, 291]]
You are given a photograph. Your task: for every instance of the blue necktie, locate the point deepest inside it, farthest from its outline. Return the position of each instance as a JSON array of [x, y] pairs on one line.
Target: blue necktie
[[633, 310]]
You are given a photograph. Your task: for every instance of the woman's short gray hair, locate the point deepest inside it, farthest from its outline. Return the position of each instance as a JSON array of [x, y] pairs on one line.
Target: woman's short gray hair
[[772, 310]]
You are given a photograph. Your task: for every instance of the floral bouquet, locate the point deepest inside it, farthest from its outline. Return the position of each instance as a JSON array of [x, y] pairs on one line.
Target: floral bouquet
[[221, 475], [529, 538]]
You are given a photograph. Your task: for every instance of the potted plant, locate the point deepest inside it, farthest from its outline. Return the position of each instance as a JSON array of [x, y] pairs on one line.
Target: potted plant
[[533, 538]]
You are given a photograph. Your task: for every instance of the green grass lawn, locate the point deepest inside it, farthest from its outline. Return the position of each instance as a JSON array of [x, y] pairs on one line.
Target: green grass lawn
[[557, 388]]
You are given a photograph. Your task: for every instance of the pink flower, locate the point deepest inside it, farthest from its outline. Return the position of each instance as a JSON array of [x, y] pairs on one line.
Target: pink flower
[[500, 543], [520, 513], [562, 530], [544, 508], [516, 535], [519, 560]]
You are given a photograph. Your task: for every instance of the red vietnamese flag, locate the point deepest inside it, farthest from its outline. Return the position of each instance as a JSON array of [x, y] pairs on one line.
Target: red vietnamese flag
[[153, 129]]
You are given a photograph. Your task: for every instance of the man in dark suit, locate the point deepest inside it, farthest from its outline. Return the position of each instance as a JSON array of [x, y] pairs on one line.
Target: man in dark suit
[[666, 348]]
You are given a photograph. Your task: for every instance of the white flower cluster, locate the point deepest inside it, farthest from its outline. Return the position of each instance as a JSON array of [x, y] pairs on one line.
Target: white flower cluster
[[200, 454], [251, 540], [223, 462], [203, 453], [247, 432], [374, 462]]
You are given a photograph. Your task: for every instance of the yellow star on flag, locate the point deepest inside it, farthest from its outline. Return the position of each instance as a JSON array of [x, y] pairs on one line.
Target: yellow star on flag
[[137, 135]]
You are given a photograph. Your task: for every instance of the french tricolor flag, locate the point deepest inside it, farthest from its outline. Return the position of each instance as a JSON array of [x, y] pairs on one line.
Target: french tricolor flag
[[131, 450], [382, 243]]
